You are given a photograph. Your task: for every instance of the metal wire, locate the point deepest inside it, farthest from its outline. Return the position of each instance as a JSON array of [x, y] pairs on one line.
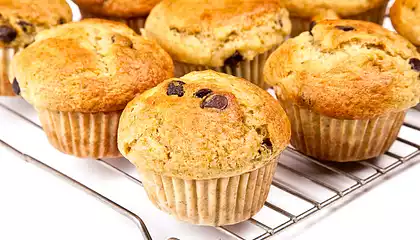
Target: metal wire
[[268, 231], [120, 209]]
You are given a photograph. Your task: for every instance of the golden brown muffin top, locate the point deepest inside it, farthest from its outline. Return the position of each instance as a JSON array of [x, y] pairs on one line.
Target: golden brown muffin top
[[344, 8], [405, 16], [347, 69], [118, 8], [21, 20], [208, 32], [203, 125], [89, 66]]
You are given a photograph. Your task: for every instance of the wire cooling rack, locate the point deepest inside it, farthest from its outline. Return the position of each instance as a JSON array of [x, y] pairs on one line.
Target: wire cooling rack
[[307, 182]]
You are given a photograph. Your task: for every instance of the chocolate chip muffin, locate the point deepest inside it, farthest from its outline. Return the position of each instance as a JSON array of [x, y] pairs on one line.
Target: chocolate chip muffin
[[302, 12], [346, 86], [80, 76], [20, 21], [206, 146], [131, 12], [405, 17], [230, 36]]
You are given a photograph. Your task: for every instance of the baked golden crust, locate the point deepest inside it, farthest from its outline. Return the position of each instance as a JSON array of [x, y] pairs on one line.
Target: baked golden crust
[[405, 17], [311, 8], [118, 8], [207, 32], [346, 69], [89, 66], [21, 20], [179, 137]]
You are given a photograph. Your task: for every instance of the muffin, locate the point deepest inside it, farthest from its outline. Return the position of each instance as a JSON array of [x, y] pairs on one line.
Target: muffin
[[20, 21], [405, 17], [302, 12], [346, 86], [131, 12], [80, 76], [230, 36], [206, 146]]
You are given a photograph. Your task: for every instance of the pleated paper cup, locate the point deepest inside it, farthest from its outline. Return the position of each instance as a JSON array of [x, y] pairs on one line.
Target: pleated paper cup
[[6, 56], [135, 23], [331, 139], [251, 70], [375, 15], [214, 202], [418, 107], [92, 135]]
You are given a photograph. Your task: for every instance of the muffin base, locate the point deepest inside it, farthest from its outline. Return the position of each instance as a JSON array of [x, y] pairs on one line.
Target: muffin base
[[6, 56], [375, 15], [251, 70], [214, 202], [136, 23], [91, 135], [340, 140]]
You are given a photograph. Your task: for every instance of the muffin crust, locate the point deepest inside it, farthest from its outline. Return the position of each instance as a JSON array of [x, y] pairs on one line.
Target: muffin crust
[[311, 8], [21, 20], [204, 125], [347, 69], [118, 8], [208, 32], [405, 17], [89, 66]]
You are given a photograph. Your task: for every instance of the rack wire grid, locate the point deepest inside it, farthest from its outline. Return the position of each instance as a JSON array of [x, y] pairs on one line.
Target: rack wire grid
[[323, 175]]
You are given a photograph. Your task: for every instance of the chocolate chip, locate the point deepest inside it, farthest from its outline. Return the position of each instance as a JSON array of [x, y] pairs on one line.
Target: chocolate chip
[[175, 88], [7, 33], [345, 28], [61, 21], [311, 26], [415, 64], [215, 101], [267, 144], [25, 25], [279, 22], [15, 87], [202, 92], [122, 40], [234, 59]]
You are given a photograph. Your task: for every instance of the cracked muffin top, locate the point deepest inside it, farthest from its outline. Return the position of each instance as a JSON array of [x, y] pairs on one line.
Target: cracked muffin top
[[347, 69], [311, 8], [208, 32], [118, 8], [89, 66], [21, 20], [203, 125], [405, 17]]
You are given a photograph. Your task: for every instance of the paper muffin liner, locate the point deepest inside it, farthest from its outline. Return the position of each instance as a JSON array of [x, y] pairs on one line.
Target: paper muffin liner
[[136, 23], [251, 70], [6, 56], [417, 107], [91, 135], [375, 15], [214, 202], [331, 139]]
